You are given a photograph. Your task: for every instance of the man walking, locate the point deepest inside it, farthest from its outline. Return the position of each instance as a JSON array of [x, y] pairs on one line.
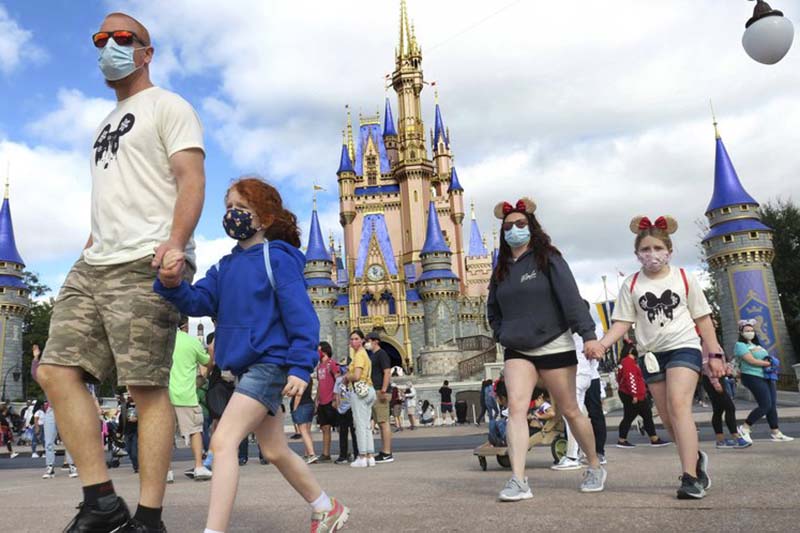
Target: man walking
[[381, 379], [327, 372], [147, 194], [186, 360]]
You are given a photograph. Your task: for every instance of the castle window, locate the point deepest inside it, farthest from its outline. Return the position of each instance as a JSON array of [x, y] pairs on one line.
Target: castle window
[[727, 238], [754, 235], [2, 264], [726, 210], [21, 292], [744, 207], [415, 196]]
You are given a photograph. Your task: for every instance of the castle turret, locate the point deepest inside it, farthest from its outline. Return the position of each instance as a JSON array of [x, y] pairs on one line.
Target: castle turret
[[739, 252], [390, 135], [478, 267], [322, 290], [14, 303]]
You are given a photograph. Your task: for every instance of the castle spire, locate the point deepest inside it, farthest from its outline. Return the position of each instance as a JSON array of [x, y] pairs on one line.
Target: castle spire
[[8, 245], [477, 245], [434, 240], [728, 190], [345, 163], [388, 121], [350, 144], [439, 132], [455, 185]]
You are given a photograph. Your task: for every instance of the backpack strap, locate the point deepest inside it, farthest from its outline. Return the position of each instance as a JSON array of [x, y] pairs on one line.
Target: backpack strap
[[268, 265], [633, 281], [685, 281]]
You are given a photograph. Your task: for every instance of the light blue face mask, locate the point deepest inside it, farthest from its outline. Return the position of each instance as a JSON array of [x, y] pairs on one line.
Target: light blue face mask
[[516, 237], [116, 61]]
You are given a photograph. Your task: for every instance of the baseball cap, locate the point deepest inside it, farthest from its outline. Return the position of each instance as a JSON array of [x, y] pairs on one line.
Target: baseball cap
[[374, 335]]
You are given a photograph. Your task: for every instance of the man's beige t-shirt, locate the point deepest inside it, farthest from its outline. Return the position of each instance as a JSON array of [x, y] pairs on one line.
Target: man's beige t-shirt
[[133, 189]]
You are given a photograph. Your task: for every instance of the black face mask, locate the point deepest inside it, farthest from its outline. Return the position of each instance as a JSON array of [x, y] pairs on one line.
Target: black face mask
[[238, 224]]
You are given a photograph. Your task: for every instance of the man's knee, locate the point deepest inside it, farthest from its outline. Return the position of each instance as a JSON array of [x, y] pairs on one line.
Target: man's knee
[[49, 376]]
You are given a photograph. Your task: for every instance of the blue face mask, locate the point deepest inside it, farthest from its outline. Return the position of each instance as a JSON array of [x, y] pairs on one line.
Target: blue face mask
[[238, 224], [116, 61], [516, 237]]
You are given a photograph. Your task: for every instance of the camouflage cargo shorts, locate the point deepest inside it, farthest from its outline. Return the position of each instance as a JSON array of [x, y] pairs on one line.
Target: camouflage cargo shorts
[[107, 316]]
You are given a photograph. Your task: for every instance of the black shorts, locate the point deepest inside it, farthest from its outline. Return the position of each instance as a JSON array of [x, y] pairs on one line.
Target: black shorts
[[327, 415], [546, 362]]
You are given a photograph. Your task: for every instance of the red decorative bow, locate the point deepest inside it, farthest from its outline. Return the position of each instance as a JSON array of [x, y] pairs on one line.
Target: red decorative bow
[[508, 208], [660, 223]]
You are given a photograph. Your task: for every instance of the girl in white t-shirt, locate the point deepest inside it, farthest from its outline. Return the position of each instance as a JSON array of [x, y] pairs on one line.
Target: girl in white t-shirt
[[668, 308]]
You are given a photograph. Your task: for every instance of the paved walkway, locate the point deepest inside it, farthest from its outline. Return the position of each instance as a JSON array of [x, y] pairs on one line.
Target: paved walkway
[[753, 490]]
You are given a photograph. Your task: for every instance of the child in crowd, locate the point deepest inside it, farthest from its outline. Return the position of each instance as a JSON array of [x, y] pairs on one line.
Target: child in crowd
[[267, 334], [671, 314]]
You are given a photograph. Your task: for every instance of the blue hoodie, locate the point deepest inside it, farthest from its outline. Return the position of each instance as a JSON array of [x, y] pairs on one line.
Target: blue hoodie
[[255, 324]]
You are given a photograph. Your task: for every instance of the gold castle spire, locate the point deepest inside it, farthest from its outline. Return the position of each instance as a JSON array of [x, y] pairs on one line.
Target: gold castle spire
[[713, 118], [350, 144], [8, 177], [472, 209]]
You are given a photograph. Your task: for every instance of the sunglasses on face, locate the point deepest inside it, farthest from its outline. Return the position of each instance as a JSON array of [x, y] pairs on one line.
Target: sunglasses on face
[[521, 223], [121, 37]]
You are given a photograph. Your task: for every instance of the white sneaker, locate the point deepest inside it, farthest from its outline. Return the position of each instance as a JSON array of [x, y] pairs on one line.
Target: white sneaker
[[202, 474], [567, 463], [73, 471], [35, 456], [170, 477], [780, 437], [361, 462], [371, 461], [745, 434], [49, 473], [14, 454]]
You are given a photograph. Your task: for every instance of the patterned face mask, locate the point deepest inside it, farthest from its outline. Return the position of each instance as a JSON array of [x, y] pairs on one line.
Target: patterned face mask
[[238, 224], [654, 261]]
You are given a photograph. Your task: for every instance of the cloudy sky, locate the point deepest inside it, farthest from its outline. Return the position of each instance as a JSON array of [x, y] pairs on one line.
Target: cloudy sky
[[598, 110]]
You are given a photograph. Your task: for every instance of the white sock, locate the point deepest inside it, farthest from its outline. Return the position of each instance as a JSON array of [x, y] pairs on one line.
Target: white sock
[[206, 530], [322, 504]]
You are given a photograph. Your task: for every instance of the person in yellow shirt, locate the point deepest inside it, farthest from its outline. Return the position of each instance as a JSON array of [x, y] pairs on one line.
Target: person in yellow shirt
[[363, 396]]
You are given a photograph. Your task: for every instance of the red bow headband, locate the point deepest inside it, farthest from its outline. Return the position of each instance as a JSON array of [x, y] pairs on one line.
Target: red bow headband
[[523, 205], [660, 223]]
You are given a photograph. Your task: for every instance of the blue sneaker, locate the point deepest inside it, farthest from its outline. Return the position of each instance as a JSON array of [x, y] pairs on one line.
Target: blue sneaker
[[742, 443], [725, 444], [207, 462]]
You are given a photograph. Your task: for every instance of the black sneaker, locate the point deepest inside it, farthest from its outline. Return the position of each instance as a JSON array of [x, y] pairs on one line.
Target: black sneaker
[[702, 470], [324, 459], [658, 443], [296, 436], [134, 526], [691, 489], [91, 519], [341, 461], [624, 444], [384, 458]]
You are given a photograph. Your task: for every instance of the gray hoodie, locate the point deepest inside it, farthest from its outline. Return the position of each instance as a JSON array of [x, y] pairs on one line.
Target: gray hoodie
[[531, 308]]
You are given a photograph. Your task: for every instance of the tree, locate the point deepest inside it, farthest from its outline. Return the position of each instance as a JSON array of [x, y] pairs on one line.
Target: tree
[[783, 217], [35, 327]]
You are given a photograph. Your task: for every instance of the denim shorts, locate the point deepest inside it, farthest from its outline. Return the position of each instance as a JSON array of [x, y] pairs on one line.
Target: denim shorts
[[264, 382], [680, 357], [304, 413]]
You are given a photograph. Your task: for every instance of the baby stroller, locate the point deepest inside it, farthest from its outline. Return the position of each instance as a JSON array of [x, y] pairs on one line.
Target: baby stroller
[[552, 434]]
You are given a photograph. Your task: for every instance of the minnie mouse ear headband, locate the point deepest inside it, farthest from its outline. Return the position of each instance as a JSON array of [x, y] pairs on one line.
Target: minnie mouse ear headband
[[523, 205], [743, 323], [666, 224]]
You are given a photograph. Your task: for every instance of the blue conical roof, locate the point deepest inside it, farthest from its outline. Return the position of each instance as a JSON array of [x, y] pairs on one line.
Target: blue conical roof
[[8, 246], [345, 165], [439, 131], [434, 240], [728, 189], [316, 250], [455, 185], [476, 246], [388, 121]]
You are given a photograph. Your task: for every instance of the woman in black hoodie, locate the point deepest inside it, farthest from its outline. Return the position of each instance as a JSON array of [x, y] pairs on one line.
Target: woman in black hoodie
[[534, 307]]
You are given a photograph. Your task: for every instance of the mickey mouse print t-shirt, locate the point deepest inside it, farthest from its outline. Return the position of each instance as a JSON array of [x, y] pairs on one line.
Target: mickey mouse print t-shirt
[[661, 310], [133, 188]]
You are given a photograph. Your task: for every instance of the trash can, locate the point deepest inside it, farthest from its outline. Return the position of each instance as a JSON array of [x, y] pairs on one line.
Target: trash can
[[461, 411]]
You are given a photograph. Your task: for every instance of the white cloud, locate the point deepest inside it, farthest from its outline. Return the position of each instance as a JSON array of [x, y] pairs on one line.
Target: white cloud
[[15, 43], [74, 121]]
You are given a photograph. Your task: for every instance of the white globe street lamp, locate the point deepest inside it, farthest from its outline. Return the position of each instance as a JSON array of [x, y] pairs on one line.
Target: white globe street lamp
[[768, 34]]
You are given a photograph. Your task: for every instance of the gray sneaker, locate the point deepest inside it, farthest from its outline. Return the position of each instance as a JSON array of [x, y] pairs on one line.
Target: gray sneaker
[[594, 480], [516, 490], [702, 470]]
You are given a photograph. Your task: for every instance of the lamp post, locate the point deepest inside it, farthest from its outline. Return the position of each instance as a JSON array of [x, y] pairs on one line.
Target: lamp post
[[768, 34], [17, 373]]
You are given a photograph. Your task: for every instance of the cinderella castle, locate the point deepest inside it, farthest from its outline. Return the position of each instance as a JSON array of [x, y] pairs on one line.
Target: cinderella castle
[[405, 270]]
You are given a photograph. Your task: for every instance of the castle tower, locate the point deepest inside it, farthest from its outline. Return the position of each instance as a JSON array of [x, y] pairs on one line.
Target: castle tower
[[455, 194], [739, 251], [14, 303], [478, 262], [390, 135], [321, 288], [438, 286], [346, 176]]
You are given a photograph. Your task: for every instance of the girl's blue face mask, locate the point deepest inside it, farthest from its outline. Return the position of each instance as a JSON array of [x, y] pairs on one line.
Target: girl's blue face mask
[[116, 61], [516, 237]]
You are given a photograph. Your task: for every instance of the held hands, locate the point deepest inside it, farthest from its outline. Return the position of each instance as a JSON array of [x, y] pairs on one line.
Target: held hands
[[162, 250], [594, 349], [171, 271], [294, 386]]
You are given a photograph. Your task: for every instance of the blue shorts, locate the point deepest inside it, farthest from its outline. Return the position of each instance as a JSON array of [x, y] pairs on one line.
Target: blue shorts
[[681, 357], [447, 407], [304, 413], [264, 382]]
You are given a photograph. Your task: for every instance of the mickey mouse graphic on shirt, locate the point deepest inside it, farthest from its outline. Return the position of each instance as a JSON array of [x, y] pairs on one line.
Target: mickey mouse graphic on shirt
[[107, 143], [660, 308]]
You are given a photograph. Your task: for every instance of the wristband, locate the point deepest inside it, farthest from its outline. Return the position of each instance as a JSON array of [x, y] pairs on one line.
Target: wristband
[[717, 355]]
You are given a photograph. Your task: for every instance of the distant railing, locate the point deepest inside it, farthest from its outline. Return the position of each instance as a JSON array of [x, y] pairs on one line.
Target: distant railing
[[469, 367], [475, 343]]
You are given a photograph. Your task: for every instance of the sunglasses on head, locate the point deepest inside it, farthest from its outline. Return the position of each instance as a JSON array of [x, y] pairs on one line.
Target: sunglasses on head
[[121, 37], [521, 223]]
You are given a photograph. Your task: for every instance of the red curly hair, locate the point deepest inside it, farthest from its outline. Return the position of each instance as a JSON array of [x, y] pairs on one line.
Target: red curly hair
[[266, 201]]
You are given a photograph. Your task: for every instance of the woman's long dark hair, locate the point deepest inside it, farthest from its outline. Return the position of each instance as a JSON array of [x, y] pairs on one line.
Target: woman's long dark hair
[[540, 244]]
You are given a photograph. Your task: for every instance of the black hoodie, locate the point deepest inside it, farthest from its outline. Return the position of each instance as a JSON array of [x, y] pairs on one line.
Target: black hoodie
[[530, 308]]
